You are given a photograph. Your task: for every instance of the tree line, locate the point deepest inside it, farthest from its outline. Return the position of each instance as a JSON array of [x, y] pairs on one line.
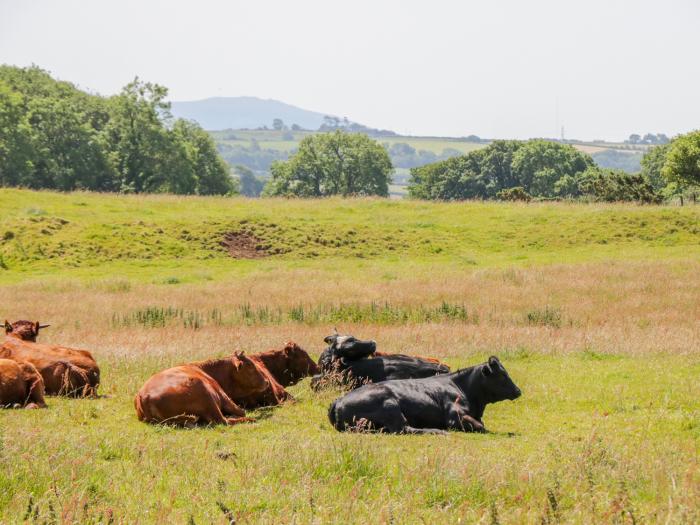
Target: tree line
[[55, 136], [515, 170]]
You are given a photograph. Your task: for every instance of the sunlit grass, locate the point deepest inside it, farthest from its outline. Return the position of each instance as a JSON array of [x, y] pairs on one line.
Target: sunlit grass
[[177, 239], [602, 338]]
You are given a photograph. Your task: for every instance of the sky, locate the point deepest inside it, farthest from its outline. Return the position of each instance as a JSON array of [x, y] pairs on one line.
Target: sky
[[494, 68]]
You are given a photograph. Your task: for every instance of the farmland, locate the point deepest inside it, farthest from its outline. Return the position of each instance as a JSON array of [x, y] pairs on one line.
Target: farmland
[[593, 309], [289, 140], [257, 149]]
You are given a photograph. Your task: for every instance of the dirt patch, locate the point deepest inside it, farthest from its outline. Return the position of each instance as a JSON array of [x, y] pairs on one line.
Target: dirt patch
[[243, 245]]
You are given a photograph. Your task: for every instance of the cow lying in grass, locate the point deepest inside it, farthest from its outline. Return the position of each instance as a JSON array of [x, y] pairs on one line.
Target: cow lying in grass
[[208, 392], [65, 371], [351, 361], [289, 365], [21, 385], [430, 405]]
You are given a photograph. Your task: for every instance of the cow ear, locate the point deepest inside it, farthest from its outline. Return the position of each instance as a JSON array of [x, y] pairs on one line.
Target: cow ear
[[8, 327], [36, 327], [494, 363], [329, 340], [486, 370]]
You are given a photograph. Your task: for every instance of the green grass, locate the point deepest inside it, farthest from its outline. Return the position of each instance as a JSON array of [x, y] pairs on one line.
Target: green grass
[[592, 308], [269, 139], [590, 440], [310, 314], [173, 239]]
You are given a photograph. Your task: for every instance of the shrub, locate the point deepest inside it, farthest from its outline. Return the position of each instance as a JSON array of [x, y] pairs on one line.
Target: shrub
[[517, 193]]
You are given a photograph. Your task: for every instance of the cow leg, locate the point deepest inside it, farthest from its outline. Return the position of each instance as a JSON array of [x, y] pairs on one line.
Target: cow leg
[[412, 430], [214, 416], [183, 420], [459, 419], [226, 407], [229, 408], [36, 395], [236, 420], [394, 421]]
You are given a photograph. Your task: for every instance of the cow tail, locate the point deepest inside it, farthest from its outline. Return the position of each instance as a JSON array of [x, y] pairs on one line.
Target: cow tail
[[139, 407], [332, 416]]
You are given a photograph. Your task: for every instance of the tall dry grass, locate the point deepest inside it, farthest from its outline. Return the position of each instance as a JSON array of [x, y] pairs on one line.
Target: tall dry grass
[[620, 308], [606, 432]]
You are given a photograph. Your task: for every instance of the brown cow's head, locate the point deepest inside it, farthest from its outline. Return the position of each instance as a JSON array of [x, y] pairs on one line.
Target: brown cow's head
[[24, 330], [248, 379], [299, 363]]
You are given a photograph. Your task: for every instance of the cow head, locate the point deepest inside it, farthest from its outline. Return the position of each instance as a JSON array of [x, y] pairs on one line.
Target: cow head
[[299, 363], [24, 330], [248, 377], [496, 383], [348, 347]]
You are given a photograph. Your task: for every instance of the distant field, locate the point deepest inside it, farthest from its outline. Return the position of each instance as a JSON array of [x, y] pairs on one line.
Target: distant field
[[593, 309], [257, 149], [275, 140]]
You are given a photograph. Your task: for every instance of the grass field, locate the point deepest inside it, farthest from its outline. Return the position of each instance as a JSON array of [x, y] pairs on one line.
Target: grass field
[[594, 310], [289, 140]]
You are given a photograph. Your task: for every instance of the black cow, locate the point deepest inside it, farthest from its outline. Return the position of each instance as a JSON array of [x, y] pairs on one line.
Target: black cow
[[350, 360], [344, 347], [426, 406]]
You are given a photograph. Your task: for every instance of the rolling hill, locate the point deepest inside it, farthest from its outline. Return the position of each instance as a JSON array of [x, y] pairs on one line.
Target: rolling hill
[[244, 113]]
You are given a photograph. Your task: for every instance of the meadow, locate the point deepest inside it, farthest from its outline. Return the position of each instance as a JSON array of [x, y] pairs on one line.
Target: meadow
[[593, 309], [289, 140]]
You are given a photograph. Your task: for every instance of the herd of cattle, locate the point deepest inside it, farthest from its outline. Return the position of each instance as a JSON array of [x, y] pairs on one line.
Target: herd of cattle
[[392, 393]]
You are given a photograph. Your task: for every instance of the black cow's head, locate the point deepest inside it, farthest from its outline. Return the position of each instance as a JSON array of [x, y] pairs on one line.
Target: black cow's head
[[496, 382], [348, 347]]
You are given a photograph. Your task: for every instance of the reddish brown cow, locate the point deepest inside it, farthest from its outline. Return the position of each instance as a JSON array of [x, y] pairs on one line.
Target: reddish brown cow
[[21, 385], [65, 371], [24, 330], [289, 365], [273, 395], [206, 392]]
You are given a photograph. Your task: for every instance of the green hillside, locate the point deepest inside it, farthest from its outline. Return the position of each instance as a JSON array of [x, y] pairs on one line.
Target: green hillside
[[82, 234]]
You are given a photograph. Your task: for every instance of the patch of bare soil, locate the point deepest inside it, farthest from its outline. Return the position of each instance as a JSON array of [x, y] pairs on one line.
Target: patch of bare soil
[[243, 245]]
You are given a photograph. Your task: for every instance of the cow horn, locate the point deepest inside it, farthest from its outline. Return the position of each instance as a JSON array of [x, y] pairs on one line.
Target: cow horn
[[44, 325]]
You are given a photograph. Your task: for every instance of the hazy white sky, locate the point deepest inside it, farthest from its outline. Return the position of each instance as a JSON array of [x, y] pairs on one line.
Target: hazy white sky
[[495, 68]]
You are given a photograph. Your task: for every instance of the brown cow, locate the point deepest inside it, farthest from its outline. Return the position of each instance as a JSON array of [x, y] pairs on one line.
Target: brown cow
[[289, 365], [273, 395], [21, 385], [24, 330], [65, 371], [206, 392]]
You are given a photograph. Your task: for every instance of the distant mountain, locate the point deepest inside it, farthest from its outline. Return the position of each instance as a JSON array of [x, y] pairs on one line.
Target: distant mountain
[[244, 112]]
